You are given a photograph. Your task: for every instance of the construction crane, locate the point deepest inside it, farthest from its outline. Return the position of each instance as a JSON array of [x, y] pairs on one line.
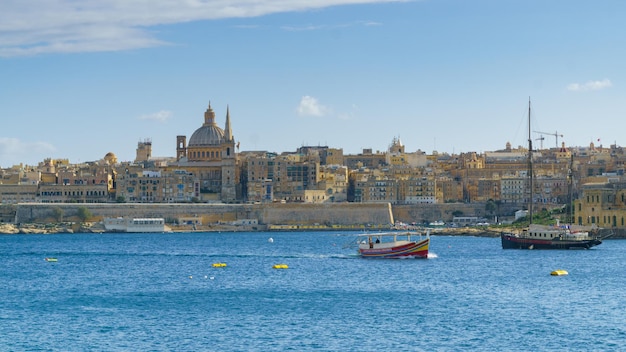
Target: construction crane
[[540, 139], [556, 135]]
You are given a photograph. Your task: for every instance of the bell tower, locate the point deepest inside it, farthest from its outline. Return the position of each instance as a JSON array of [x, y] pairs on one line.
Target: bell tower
[[144, 150], [181, 147]]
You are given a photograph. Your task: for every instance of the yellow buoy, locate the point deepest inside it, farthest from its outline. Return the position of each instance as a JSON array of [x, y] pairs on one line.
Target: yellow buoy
[[280, 266], [559, 272], [219, 265]]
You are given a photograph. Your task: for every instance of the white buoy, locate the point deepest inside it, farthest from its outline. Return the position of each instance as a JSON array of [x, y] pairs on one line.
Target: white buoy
[[270, 240]]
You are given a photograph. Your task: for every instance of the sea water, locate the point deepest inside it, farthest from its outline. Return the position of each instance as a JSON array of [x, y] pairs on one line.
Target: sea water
[[160, 292]]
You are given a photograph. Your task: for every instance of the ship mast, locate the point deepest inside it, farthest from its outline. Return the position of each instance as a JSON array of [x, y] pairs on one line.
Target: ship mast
[[530, 169], [570, 180]]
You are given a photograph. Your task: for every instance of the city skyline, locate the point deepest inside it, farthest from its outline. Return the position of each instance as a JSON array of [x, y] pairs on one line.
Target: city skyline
[[453, 76]]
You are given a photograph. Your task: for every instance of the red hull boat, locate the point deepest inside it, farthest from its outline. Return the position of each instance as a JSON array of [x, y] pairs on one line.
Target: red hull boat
[[394, 245]]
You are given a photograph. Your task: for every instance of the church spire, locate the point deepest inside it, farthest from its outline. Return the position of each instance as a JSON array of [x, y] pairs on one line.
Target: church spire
[[228, 133]]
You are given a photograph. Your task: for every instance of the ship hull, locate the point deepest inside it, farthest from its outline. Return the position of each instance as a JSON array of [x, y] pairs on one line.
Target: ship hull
[[417, 249], [510, 241]]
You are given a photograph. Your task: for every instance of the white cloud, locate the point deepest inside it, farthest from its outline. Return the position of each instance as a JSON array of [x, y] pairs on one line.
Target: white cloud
[[329, 27], [303, 28], [160, 116], [13, 150], [65, 26], [591, 85], [309, 106], [348, 115]]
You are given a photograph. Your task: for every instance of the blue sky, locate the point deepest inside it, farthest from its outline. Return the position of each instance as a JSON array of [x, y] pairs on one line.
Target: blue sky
[[80, 79]]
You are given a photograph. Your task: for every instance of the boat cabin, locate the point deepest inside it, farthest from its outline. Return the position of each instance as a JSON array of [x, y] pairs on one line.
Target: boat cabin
[[551, 233], [387, 239]]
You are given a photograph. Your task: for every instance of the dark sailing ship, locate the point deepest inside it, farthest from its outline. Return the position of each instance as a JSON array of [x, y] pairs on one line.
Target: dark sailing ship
[[547, 237]]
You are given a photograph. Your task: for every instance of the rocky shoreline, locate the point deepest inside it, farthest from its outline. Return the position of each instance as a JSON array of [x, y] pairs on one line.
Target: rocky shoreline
[[98, 227], [12, 229]]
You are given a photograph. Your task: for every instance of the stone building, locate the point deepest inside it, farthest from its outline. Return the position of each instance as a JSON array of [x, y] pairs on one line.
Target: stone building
[[18, 193], [287, 177], [334, 181], [365, 159], [602, 205], [144, 186], [211, 157], [144, 150], [74, 193], [205, 168]]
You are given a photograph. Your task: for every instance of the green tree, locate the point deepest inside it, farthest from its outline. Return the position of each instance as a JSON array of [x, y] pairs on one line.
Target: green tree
[[84, 214], [491, 206], [57, 214], [498, 204], [120, 199]]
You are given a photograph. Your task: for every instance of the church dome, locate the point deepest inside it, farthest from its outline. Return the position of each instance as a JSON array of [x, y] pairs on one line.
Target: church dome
[[110, 158], [209, 133]]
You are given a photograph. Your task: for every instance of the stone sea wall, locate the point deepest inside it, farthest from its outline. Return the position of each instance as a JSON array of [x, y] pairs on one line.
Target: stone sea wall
[[266, 214], [273, 213], [62, 217]]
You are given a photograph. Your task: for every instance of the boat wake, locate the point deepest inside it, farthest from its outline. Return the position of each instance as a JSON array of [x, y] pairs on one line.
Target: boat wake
[[430, 256], [284, 256]]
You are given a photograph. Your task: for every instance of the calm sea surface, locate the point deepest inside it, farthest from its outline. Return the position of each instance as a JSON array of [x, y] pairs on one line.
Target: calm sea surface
[[159, 292]]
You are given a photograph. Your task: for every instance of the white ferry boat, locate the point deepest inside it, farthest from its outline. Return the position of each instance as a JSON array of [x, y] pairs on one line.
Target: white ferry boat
[[121, 224]]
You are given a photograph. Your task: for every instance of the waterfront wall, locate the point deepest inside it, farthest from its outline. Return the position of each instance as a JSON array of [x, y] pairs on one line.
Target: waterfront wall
[[273, 213], [284, 216], [328, 214]]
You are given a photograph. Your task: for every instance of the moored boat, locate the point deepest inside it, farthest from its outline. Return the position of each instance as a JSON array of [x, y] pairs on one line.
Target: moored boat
[[394, 245], [437, 223], [121, 224], [547, 237]]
